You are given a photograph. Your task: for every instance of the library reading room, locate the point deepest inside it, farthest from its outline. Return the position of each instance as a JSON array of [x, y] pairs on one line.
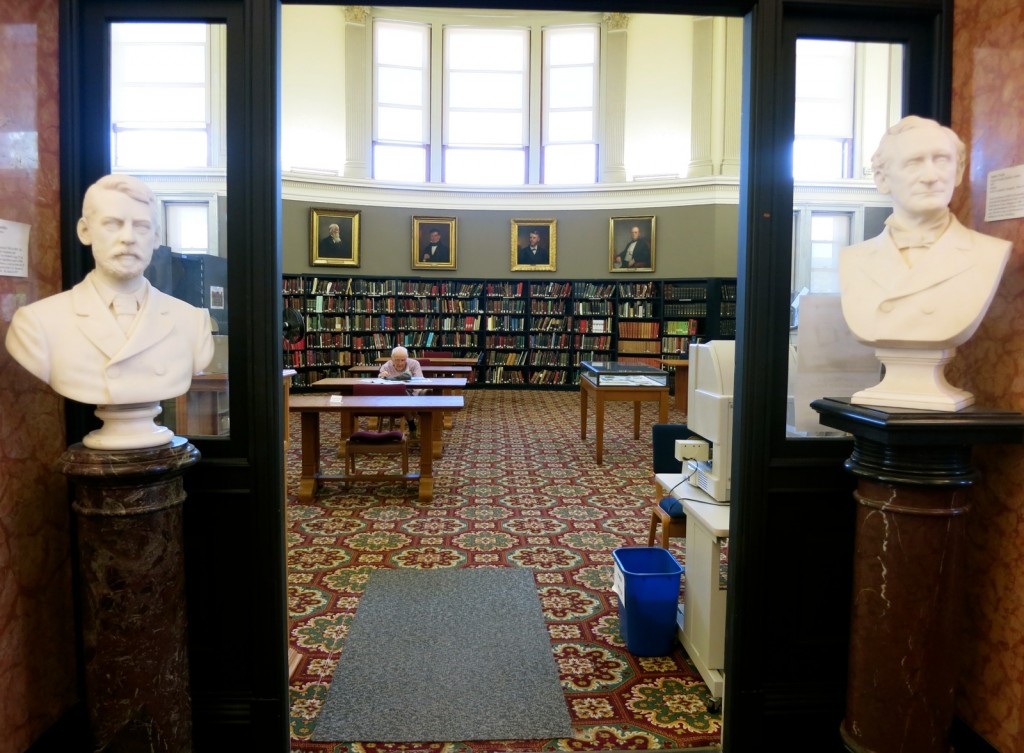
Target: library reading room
[[511, 377]]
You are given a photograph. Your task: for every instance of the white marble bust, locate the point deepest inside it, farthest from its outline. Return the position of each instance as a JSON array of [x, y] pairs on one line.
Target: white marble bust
[[920, 288], [114, 340]]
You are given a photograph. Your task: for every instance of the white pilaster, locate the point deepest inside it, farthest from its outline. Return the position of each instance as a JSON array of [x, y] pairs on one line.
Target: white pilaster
[[358, 125], [612, 154]]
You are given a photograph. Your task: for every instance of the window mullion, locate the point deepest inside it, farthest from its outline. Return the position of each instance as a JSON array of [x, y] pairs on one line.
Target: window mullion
[[534, 143], [435, 147]]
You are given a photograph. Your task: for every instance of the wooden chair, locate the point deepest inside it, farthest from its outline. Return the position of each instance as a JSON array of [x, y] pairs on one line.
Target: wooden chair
[[667, 511], [389, 442]]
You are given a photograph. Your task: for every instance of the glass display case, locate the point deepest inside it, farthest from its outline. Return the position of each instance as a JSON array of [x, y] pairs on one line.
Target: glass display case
[[616, 374]]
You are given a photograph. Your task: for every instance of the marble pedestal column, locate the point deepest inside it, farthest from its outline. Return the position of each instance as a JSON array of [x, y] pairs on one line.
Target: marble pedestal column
[[128, 511], [914, 467]]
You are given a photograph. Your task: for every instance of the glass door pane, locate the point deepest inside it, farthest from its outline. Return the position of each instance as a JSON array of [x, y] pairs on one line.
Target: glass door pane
[[168, 114]]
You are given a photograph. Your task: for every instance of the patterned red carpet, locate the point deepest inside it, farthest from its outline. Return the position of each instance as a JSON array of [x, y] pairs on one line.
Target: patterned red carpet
[[516, 487]]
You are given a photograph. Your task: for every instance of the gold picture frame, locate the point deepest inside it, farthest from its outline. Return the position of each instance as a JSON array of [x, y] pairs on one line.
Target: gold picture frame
[[622, 233], [430, 251], [543, 259], [327, 249]]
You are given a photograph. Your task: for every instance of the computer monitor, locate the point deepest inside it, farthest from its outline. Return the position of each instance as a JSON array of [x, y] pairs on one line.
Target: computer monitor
[[709, 413]]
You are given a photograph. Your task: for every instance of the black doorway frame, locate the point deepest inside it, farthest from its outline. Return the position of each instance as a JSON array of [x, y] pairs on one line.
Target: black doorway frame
[[789, 593]]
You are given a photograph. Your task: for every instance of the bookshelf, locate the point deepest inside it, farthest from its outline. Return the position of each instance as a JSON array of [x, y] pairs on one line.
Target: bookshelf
[[525, 333], [551, 334], [505, 343], [638, 322]]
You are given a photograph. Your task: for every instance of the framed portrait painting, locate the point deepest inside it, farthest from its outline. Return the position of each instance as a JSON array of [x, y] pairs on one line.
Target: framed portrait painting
[[534, 245], [433, 243], [335, 238], [631, 244]]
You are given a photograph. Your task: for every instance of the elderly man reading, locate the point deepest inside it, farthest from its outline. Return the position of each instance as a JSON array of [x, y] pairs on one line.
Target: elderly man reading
[[922, 287], [403, 368]]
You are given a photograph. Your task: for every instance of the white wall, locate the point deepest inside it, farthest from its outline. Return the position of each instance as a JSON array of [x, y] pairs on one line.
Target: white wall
[[659, 77], [657, 133], [312, 87]]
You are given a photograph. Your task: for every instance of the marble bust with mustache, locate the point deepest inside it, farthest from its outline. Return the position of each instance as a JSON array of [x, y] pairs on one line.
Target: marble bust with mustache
[[114, 339]]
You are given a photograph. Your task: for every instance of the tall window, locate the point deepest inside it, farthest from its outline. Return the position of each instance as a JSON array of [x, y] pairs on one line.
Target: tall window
[[167, 109], [486, 105], [187, 226], [570, 104], [498, 106], [823, 148], [401, 122], [821, 235]]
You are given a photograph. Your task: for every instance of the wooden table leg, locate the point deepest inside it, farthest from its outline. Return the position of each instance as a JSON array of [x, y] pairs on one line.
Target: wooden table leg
[[426, 485], [663, 407], [583, 413], [599, 426], [310, 480], [682, 387], [636, 419], [436, 435]]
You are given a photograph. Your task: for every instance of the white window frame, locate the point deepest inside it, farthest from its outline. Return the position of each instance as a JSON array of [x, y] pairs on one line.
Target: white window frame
[[536, 26], [215, 126]]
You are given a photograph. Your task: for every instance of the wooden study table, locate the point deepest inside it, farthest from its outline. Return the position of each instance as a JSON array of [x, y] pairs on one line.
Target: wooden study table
[[443, 360], [450, 365], [441, 385], [629, 393], [682, 383], [426, 407], [431, 369]]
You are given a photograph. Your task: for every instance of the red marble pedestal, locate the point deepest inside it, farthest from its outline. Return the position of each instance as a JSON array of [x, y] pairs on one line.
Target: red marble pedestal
[[914, 468], [128, 508]]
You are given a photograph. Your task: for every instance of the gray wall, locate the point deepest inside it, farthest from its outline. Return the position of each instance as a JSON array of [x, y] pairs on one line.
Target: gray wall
[[693, 241]]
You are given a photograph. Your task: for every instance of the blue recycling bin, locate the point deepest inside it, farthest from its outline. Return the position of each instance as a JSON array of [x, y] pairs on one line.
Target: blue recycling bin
[[646, 581]]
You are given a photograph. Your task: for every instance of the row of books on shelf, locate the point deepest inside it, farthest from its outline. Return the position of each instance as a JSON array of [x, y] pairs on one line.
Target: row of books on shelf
[[637, 310], [511, 358], [304, 358], [593, 308], [540, 306], [638, 289], [695, 310], [505, 289], [640, 346], [321, 304], [506, 306], [505, 342], [551, 290], [550, 324], [685, 292], [678, 345], [387, 323], [505, 323], [593, 325], [502, 375], [639, 330], [550, 378], [678, 327]]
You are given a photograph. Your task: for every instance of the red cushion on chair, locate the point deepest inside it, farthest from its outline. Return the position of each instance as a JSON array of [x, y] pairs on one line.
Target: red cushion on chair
[[377, 436]]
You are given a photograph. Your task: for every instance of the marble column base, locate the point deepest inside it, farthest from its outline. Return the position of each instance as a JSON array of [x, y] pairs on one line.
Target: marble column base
[[128, 510], [903, 628], [914, 470]]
